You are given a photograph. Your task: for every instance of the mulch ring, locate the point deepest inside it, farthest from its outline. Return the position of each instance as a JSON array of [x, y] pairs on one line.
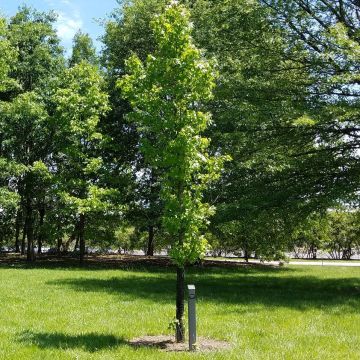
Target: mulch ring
[[167, 343]]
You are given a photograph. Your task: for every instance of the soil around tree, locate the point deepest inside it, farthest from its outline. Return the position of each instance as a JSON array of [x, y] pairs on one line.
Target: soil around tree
[[168, 343]]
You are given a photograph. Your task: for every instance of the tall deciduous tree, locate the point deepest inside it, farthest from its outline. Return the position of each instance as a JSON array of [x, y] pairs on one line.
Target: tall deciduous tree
[[80, 102], [28, 132], [129, 31], [83, 49], [167, 93], [7, 57], [39, 58], [8, 199], [327, 31], [27, 142]]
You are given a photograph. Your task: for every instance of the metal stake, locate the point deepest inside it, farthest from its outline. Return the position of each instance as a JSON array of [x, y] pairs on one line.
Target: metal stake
[[192, 317]]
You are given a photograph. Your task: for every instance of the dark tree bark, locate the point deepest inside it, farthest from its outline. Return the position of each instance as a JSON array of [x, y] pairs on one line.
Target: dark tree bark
[[180, 300], [150, 244], [82, 237], [312, 252], [41, 230], [29, 226], [23, 240], [59, 240], [347, 253], [59, 244], [76, 242], [75, 236], [246, 254], [17, 230]]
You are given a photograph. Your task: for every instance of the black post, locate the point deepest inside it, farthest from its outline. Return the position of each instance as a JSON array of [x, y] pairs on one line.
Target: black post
[[180, 300]]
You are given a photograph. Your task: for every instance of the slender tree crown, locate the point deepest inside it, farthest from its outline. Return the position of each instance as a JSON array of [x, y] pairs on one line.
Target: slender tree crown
[[167, 93]]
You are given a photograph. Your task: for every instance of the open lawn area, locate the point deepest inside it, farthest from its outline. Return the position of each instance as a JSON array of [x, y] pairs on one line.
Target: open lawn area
[[56, 312]]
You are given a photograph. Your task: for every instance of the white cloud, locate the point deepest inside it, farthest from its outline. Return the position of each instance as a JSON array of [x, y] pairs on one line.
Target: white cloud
[[56, 3], [68, 25]]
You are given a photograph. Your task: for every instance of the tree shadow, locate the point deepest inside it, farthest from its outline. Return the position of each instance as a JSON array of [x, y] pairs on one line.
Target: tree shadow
[[297, 292], [90, 342]]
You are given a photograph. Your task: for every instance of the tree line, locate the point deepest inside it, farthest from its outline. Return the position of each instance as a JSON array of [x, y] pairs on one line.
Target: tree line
[[82, 163]]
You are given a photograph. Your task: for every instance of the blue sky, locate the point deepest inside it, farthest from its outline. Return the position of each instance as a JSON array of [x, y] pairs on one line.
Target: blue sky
[[73, 15]]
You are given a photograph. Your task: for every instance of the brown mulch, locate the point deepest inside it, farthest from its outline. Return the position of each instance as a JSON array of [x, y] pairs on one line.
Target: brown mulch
[[167, 343], [113, 261]]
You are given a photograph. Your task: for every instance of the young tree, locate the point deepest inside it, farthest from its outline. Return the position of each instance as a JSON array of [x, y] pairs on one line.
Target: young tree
[[260, 92], [167, 93]]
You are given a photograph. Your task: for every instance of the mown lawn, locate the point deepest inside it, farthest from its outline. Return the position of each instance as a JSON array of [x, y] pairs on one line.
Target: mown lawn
[[265, 313]]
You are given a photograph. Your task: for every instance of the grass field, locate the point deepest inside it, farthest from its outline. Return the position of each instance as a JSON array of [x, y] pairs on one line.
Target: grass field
[[265, 313]]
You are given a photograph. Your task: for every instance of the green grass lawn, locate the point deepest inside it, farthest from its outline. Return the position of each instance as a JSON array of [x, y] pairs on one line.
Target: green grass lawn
[[265, 313]]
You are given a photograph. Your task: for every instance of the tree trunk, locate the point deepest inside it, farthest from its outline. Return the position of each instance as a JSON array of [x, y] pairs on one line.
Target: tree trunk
[[29, 226], [314, 253], [74, 236], [41, 230], [150, 245], [58, 246], [76, 246], [246, 255], [17, 230], [23, 242], [180, 300], [347, 253], [82, 237]]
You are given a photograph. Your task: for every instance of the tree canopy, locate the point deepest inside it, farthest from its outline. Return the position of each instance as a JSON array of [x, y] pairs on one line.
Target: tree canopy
[[281, 85]]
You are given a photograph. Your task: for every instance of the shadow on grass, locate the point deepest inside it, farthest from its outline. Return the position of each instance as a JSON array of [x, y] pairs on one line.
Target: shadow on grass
[[298, 292], [90, 342]]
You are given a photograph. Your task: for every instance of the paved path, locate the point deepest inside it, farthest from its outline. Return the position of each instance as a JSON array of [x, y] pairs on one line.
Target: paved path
[[317, 263], [325, 263], [350, 263]]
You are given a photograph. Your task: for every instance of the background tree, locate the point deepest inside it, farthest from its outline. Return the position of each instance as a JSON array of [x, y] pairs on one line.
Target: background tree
[[146, 207], [83, 50], [80, 101], [344, 237], [127, 170], [27, 131], [8, 169], [260, 94], [26, 125], [327, 32], [311, 236], [7, 57]]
